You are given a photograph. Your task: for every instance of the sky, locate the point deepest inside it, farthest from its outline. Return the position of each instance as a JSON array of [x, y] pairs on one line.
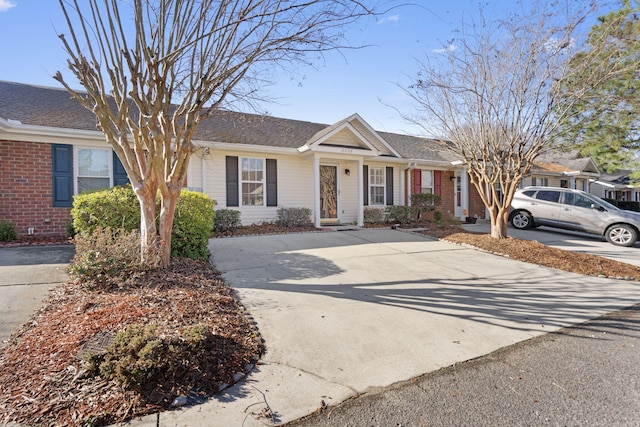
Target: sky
[[366, 81]]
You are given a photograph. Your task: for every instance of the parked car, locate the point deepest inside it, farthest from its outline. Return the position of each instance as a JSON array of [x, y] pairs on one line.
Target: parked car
[[573, 210]]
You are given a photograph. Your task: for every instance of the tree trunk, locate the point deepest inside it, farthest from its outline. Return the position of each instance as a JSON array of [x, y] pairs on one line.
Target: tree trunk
[[499, 221], [148, 230], [167, 212]]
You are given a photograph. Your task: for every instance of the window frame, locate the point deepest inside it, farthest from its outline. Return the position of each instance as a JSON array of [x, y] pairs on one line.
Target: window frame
[[242, 181], [378, 186], [431, 189], [76, 167]]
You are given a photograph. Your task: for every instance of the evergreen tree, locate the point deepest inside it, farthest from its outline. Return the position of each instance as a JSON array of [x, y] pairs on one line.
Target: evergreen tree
[[605, 123]]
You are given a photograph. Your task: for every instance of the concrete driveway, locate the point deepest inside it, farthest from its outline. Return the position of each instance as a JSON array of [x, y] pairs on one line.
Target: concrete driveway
[[570, 241], [26, 275], [343, 313]]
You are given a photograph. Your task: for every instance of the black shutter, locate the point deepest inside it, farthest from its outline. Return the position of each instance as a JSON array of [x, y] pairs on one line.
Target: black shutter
[[120, 176], [389, 184], [272, 182], [232, 181], [62, 175], [365, 184]]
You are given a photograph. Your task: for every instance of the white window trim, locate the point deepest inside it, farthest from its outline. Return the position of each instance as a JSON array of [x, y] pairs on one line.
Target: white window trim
[[76, 165], [263, 182], [429, 171], [383, 186]]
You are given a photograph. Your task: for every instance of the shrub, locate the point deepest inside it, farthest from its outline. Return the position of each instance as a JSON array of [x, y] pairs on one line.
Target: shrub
[[398, 214], [424, 202], [8, 231], [118, 208], [135, 352], [437, 218], [373, 215], [105, 254], [630, 206], [143, 354], [192, 226], [293, 217], [226, 220]]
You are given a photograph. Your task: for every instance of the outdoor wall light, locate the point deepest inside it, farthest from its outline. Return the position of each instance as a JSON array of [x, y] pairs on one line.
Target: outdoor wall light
[[347, 172]]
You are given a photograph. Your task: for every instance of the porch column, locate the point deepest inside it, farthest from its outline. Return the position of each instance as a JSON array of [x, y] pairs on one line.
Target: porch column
[[464, 189], [360, 194], [316, 191]]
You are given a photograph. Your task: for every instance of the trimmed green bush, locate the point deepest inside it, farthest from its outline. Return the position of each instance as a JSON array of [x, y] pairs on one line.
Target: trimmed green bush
[[398, 214], [373, 215], [118, 208], [437, 218], [8, 231], [192, 226], [226, 221], [293, 217], [424, 202]]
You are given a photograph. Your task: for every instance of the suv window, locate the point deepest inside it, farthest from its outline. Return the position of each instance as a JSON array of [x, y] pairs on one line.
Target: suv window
[[577, 200], [529, 193], [549, 196]]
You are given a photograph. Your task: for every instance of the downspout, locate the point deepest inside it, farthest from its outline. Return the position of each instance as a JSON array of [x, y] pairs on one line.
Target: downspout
[[316, 191], [360, 194]]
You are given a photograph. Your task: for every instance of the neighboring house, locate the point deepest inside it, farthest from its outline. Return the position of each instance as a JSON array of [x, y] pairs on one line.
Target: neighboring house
[[50, 150], [617, 186], [565, 173]]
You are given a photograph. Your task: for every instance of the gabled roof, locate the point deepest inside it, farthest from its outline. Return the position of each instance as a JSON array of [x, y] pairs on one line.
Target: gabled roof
[[581, 166], [54, 107], [351, 132]]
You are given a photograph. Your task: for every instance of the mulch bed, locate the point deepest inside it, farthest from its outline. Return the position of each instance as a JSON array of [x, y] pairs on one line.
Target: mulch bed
[[43, 380]]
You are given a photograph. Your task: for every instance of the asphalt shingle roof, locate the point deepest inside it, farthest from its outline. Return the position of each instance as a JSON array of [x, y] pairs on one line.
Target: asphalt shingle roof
[[54, 107]]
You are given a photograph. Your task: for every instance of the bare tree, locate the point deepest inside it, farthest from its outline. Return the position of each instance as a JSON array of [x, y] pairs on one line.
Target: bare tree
[[492, 94], [153, 70]]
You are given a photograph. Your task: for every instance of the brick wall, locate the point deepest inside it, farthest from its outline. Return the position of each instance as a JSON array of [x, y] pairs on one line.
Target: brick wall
[[476, 206], [447, 195], [25, 189]]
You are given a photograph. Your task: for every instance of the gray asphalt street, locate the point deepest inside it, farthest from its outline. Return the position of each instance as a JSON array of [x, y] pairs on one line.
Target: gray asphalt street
[[588, 375]]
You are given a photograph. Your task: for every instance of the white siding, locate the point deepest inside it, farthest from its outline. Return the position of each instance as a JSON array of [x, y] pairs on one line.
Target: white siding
[[295, 185]]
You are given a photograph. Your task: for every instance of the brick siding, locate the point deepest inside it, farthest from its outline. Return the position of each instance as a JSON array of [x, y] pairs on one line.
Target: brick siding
[[25, 189]]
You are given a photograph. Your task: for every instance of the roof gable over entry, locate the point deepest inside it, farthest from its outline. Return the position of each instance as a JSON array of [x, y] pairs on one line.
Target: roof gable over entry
[[351, 136]]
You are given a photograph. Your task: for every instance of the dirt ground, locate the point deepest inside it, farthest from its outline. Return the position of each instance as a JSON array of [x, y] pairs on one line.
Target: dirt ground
[[45, 381]]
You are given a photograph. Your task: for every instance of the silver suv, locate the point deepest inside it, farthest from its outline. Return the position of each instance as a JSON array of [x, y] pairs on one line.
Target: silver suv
[[573, 210]]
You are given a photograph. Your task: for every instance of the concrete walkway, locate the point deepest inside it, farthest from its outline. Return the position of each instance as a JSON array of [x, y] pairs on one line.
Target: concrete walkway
[[344, 313], [26, 275]]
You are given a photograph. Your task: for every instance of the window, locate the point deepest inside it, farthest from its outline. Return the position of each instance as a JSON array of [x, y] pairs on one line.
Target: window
[[541, 182], [578, 200], [252, 179], [548, 196], [427, 182], [376, 186], [93, 171]]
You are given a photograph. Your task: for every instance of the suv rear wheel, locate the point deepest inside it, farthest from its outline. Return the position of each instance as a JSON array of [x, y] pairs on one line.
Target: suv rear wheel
[[621, 235], [521, 220]]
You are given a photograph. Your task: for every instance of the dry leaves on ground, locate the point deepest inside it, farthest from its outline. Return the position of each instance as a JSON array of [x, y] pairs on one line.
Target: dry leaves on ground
[[536, 253], [43, 379]]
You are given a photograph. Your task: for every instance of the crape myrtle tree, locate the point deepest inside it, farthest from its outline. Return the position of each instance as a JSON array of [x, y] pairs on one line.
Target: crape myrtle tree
[[491, 94], [153, 70], [605, 124]]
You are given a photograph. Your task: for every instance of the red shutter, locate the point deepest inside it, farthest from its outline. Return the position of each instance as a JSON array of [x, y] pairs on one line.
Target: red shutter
[[417, 181], [437, 183]]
